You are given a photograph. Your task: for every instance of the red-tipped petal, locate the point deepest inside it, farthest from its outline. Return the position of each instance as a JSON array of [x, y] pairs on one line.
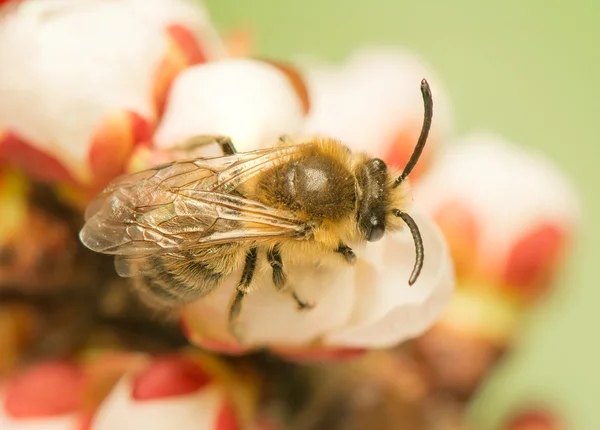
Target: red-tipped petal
[[34, 392], [169, 377], [17, 152], [183, 51], [533, 260], [142, 129], [188, 44]]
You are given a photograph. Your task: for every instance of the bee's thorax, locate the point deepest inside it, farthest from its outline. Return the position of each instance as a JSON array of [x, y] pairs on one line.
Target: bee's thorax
[[315, 186]]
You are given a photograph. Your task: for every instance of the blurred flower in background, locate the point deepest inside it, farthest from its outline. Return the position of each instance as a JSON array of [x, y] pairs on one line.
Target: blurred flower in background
[[508, 214], [30, 398], [370, 103], [113, 390], [533, 418], [509, 217]]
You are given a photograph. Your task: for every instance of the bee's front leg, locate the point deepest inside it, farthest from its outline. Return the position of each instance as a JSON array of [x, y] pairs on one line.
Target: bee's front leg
[[226, 145], [346, 252], [279, 277], [200, 141], [242, 290]]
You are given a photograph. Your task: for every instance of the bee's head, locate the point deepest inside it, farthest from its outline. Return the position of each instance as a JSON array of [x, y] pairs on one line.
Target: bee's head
[[373, 181], [375, 203]]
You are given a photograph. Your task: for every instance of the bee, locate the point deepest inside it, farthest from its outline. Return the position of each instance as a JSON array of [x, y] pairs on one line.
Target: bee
[[179, 229]]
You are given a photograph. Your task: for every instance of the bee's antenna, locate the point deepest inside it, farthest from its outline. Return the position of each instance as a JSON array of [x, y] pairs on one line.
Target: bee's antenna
[[428, 102], [416, 234]]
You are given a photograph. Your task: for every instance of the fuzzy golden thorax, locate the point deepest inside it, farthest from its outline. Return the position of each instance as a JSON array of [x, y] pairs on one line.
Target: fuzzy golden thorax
[[348, 197]]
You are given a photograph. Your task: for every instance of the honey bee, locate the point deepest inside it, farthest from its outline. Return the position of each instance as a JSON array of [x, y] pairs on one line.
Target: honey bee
[[179, 229]]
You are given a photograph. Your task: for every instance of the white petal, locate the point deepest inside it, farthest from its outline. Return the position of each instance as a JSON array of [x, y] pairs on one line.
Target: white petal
[[509, 189], [271, 317], [190, 13], [65, 64], [55, 423], [194, 411], [367, 101], [250, 101], [388, 310]]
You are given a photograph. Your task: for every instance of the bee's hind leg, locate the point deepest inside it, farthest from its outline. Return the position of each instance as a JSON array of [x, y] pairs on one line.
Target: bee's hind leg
[[279, 278], [242, 290]]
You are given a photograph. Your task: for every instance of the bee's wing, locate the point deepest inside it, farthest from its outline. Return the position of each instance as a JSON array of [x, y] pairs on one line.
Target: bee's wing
[[218, 173], [186, 204]]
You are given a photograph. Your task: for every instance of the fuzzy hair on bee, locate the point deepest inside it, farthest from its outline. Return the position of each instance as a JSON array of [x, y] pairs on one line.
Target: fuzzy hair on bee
[[179, 229]]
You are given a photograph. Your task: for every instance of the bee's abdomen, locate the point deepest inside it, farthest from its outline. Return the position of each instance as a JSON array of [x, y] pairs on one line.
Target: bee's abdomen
[[317, 184], [176, 280], [158, 292]]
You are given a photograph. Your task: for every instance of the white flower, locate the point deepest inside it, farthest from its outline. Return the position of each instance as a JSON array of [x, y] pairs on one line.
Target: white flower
[[369, 305], [373, 103], [193, 411], [170, 394], [362, 306], [251, 101], [66, 65], [126, 391], [513, 208]]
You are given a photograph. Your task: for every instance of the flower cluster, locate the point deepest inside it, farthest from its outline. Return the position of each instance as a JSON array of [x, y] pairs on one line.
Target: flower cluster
[[157, 87]]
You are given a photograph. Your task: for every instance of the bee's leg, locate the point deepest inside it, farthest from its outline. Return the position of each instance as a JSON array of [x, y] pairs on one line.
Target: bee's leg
[[226, 145], [196, 142], [285, 140], [242, 289], [347, 253], [279, 278]]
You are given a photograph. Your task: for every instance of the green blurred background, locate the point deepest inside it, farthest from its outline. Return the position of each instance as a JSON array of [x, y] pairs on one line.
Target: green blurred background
[[527, 69]]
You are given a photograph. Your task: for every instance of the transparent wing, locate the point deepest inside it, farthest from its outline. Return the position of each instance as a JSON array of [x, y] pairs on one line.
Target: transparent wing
[[186, 204]]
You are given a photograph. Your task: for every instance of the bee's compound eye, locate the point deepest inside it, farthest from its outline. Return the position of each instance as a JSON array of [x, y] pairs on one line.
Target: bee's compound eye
[[376, 230]]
